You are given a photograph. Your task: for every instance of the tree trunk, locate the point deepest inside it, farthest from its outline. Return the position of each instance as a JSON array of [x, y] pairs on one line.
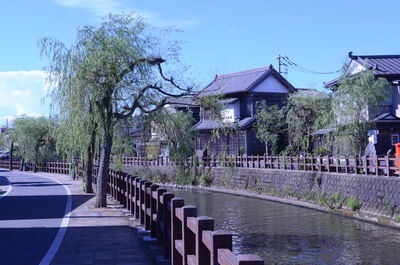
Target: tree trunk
[[89, 162], [11, 155], [22, 168], [105, 153]]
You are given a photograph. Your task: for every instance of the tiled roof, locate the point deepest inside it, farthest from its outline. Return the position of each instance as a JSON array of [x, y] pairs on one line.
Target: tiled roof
[[386, 117], [228, 101], [323, 131], [241, 81], [213, 124], [382, 65]]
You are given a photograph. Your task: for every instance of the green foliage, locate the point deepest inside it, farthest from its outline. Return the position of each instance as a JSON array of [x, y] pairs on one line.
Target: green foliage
[[271, 127], [242, 150], [109, 73], [3, 141], [353, 203], [212, 105], [307, 111], [356, 101], [213, 109], [176, 129], [33, 138], [321, 151], [335, 201]]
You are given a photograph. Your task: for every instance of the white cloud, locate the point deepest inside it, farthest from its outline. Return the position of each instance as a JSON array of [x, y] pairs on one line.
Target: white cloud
[[105, 7], [98, 7], [20, 110], [25, 93], [22, 93]]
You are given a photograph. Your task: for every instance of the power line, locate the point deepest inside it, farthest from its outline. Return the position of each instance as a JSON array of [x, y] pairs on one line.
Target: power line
[[289, 63]]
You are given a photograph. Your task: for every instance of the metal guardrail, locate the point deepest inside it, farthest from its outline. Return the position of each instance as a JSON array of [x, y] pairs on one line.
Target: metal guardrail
[[187, 238]]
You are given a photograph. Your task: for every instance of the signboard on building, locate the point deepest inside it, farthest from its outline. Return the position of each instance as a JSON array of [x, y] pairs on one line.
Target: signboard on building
[[228, 115]]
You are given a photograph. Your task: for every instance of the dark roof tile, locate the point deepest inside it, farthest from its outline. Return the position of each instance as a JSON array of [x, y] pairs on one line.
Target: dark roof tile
[[382, 65], [241, 81]]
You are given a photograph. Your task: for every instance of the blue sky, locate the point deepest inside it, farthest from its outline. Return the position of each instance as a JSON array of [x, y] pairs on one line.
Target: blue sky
[[219, 37]]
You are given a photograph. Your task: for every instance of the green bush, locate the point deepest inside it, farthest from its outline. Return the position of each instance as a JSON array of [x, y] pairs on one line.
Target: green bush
[[353, 203], [322, 151]]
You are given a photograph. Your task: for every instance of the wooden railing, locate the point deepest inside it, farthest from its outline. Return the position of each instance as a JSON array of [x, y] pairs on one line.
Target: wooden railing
[[187, 239], [379, 166], [5, 163]]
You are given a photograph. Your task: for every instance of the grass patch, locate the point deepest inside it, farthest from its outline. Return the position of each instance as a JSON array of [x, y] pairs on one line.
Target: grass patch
[[353, 203]]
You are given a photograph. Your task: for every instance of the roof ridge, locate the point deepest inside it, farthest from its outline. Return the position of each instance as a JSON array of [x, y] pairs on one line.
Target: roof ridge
[[379, 56], [244, 72]]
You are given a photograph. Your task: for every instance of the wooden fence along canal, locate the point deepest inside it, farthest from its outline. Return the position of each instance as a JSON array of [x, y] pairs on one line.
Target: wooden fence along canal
[[187, 238], [379, 166]]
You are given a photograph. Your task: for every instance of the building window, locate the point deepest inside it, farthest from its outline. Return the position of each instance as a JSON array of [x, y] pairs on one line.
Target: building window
[[395, 139]]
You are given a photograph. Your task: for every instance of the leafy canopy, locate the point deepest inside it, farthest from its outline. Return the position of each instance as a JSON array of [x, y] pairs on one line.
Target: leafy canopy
[[307, 111], [33, 138], [270, 126], [357, 100]]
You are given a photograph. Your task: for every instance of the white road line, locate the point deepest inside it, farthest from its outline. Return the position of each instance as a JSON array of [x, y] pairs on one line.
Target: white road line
[[9, 188], [63, 228]]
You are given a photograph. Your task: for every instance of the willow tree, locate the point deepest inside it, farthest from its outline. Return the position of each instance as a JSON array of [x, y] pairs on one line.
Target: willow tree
[[356, 101], [271, 127], [307, 111], [76, 137], [33, 137], [121, 67]]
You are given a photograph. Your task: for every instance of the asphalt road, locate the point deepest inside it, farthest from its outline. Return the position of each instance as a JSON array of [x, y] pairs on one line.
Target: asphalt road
[[30, 218]]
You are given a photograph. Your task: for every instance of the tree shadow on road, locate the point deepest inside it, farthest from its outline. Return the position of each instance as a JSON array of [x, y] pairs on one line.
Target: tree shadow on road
[[38, 206]]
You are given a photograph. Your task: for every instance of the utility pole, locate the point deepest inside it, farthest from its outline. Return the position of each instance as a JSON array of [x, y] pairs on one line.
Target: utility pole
[[280, 64]]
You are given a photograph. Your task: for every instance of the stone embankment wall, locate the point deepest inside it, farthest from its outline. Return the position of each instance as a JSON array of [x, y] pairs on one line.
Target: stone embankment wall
[[379, 196]]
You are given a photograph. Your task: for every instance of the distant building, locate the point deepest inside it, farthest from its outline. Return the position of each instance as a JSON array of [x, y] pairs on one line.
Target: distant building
[[147, 139], [386, 131], [240, 92]]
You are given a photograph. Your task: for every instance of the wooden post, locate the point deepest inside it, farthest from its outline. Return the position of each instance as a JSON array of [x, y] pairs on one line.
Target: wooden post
[[159, 211], [337, 163], [187, 245], [365, 162], [215, 240], [166, 222], [226, 257], [387, 166], [197, 226], [176, 231]]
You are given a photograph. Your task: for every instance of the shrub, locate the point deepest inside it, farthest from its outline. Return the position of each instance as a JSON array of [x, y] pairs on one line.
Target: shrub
[[353, 203]]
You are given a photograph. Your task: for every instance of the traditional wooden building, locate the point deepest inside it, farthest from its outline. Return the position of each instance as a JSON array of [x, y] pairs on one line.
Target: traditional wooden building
[[386, 129], [239, 94]]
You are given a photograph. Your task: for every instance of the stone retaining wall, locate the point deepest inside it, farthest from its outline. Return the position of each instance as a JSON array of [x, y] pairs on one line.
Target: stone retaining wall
[[378, 195]]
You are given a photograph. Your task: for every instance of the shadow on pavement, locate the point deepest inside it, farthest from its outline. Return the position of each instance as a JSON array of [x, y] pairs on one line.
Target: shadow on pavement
[[37, 184], [81, 245], [38, 207]]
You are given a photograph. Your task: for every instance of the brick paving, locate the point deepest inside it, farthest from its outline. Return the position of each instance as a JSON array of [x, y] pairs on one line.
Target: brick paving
[[102, 236]]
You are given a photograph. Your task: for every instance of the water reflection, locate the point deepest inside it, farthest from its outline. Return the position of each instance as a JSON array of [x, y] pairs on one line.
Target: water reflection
[[285, 234]]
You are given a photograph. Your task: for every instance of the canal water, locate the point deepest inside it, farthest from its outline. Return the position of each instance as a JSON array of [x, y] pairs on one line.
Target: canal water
[[286, 234]]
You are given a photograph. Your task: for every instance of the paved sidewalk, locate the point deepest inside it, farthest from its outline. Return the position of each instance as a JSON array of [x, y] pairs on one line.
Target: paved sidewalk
[[99, 236]]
